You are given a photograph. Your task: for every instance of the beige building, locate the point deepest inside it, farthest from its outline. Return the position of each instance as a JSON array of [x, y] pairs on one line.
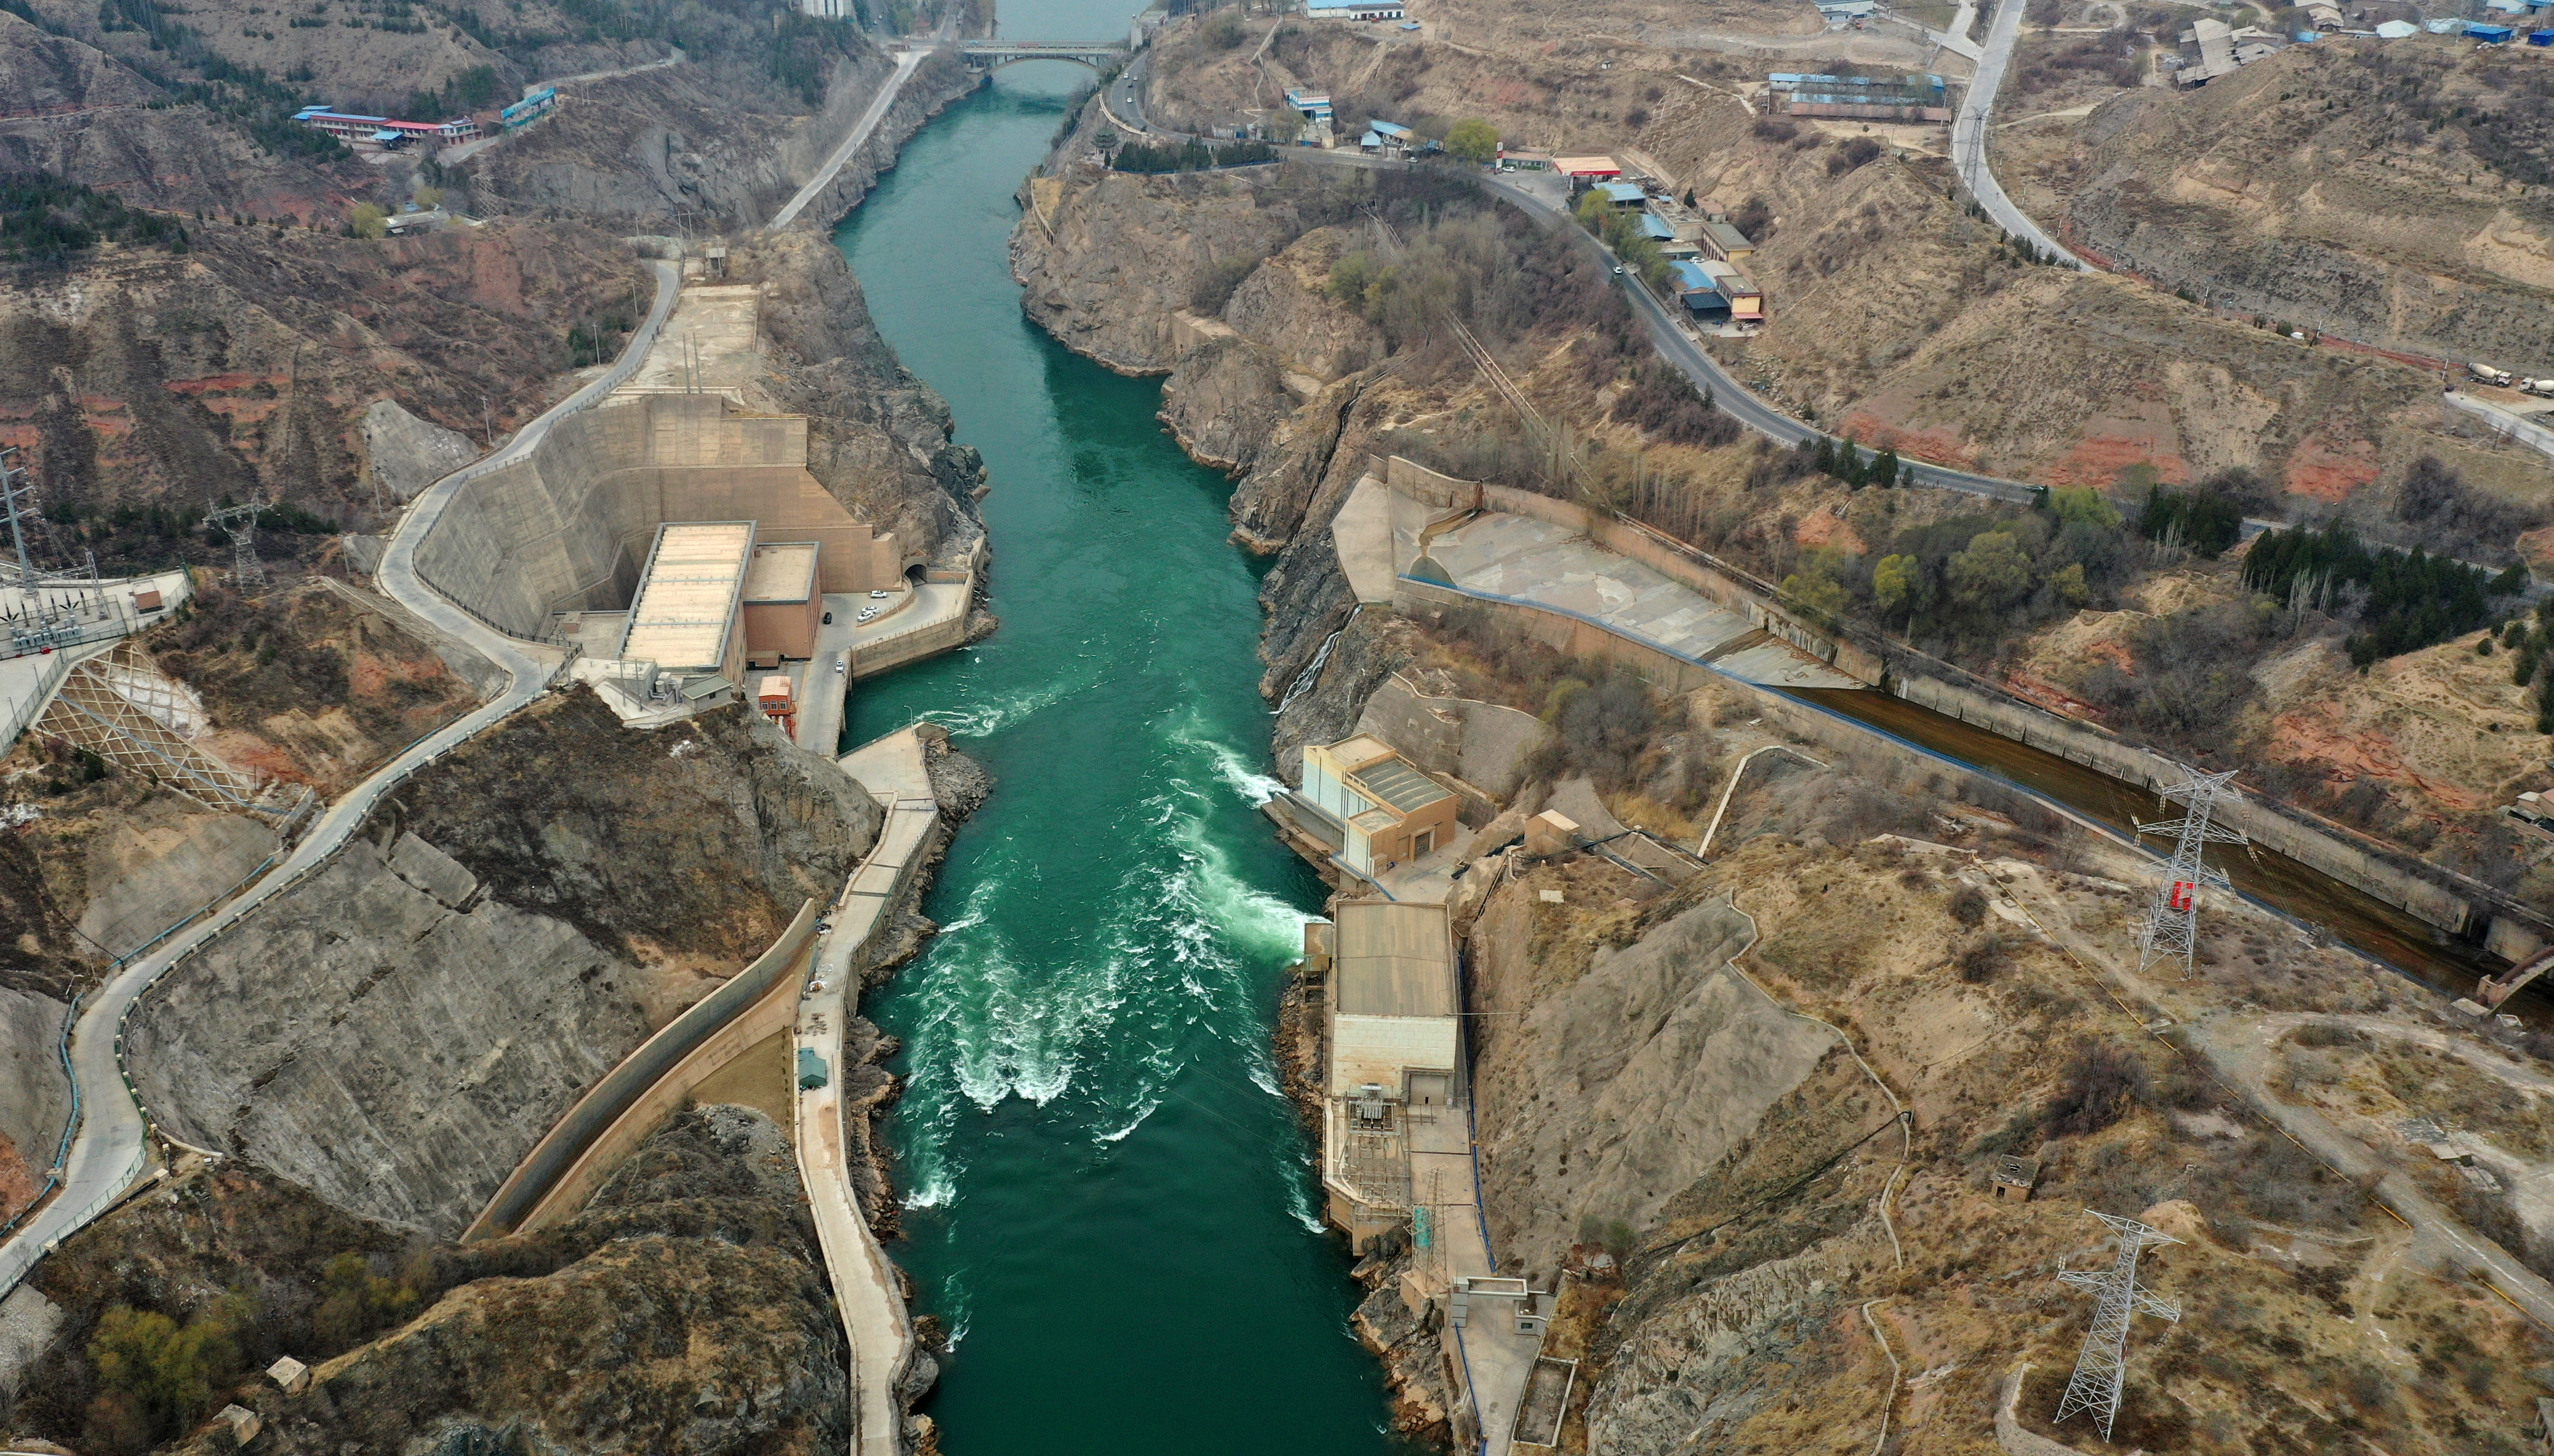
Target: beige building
[[782, 608], [686, 617], [1392, 1040], [1387, 813]]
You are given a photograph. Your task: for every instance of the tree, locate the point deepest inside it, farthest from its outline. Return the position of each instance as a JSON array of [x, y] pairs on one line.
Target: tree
[[1814, 585], [1897, 583], [367, 221], [162, 1372], [1473, 141], [2084, 504], [1992, 574]]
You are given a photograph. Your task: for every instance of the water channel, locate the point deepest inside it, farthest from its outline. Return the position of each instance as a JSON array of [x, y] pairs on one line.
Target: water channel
[[1107, 1200], [1108, 1203]]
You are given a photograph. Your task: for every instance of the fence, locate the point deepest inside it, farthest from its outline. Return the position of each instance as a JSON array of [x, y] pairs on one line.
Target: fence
[[22, 712]]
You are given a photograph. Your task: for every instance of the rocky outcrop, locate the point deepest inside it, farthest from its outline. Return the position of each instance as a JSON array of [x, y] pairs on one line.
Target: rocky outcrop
[[398, 1029], [877, 436], [685, 1311], [1672, 1059], [247, 365], [35, 1095], [405, 454]]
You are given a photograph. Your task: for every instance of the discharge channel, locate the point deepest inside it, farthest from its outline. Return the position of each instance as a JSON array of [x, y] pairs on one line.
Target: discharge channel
[[1108, 1202]]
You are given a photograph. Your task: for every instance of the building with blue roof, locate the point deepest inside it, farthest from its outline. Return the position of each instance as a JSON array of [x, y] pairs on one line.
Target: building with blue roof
[[1655, 230], [2490, 34], [1623, 195]]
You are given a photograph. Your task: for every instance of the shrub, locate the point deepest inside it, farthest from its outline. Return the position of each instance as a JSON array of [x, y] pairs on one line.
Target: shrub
[[1857, 153], [2099, 1086], [1968, 907], [1982, 960]]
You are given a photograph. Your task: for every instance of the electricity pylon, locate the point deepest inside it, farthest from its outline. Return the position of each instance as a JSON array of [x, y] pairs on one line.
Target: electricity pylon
[[2103, 1364], [239, 522], [2171, 926]]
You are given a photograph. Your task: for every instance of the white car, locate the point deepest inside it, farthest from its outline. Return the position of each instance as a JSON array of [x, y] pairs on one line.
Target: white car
[[878, 595], [838, 667]]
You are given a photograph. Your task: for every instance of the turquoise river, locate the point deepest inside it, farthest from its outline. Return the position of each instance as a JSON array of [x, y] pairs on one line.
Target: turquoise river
[[1107, 1200]]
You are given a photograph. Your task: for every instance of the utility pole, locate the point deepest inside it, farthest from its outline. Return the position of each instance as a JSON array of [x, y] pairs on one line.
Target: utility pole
[[2172, 929], [2102, 1366]]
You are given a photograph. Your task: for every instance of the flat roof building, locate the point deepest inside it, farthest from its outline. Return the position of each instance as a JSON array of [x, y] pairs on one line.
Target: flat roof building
[[685, 618], [782, 606], [1387, 811], [1393, 1038]]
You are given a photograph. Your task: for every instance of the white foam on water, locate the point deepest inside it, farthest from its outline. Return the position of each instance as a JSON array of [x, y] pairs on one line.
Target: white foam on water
[[1235, 770], [983, 719]]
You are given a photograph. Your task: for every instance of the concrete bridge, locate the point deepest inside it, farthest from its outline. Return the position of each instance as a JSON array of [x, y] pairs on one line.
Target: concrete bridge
[[994, 55]]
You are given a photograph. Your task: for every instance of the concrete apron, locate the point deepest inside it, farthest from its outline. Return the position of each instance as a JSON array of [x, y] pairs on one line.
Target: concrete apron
[[867, 1288]]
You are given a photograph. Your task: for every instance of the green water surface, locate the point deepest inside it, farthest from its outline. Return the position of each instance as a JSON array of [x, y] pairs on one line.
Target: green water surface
[[1106, 1199]]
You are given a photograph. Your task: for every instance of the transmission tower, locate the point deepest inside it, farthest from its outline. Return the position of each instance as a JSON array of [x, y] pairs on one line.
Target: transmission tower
[[2172, 930], [15, 493], [239, 522], [2103, 1363]]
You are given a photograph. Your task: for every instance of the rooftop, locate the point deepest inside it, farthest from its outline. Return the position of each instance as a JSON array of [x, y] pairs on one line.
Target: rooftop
[[1394, 782], [784, 571], [1393, 959], [688, 597]]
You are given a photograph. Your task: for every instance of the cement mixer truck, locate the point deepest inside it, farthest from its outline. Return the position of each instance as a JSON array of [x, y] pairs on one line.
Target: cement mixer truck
[[2543, 389], [2485, 374]]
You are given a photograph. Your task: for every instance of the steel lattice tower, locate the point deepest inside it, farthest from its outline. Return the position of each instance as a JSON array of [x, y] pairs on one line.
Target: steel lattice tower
[[2172, 929], [239, 524], [2103, 1363]]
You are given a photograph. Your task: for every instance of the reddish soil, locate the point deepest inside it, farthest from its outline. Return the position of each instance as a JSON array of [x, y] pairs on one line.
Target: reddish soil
[[2311, 740], [2321, 470]]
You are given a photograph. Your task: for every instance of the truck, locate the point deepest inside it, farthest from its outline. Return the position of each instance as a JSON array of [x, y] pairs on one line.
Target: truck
[[2543, 388], [2485, 374]]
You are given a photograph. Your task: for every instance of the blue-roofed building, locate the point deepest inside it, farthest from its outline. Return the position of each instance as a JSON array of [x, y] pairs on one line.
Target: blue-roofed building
[[1655, 230], [1782, 80], [2490, 34], [1623, 195], [1370, 141], [1396, 132], [1689, 275], [2540, 37]]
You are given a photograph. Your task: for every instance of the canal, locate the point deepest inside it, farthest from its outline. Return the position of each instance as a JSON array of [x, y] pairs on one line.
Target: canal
[[1107, 1200]]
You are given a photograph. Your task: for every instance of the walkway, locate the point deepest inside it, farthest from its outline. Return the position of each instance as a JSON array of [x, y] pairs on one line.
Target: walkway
[[865, 1287], [1969, 134], [111, 1149], [906, 61]]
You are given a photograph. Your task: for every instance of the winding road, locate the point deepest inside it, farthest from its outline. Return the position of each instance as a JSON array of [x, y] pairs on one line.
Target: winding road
[[111, 1149], [1969, 136]]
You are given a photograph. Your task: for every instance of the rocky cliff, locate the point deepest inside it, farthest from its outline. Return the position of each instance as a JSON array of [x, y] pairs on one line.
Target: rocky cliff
[[144, 383], [34, 1094], [395, 1031]]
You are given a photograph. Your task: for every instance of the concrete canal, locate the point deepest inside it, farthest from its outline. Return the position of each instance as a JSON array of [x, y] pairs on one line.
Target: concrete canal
[[1109, 1201]]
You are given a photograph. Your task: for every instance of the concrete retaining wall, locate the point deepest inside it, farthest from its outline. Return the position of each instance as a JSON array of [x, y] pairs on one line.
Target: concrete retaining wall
[[613, 1110], [567, 529], [2472, 912]]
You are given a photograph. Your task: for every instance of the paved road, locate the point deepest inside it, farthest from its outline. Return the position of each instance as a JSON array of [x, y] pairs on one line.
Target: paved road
[[1969, 134], [859, 138], [111, 1148], [867, 1291]]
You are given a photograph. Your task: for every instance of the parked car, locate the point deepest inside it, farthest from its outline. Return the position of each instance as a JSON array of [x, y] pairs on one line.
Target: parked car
[[878, 595], [829, 618]]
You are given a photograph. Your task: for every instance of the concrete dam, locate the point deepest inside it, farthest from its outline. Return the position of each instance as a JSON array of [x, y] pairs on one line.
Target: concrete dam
[[567, 528]]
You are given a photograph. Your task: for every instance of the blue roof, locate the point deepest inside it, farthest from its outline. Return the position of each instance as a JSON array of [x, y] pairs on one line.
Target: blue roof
[[387, 135], [1651, 227], [1371, 139], [1622, 191], [2540, 37], [1389, 128], [2304, 36], [1691, 274], [2490, 35]]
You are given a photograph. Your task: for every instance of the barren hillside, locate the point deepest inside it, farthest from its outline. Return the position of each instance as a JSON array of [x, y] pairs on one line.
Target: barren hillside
[[2392, 191]]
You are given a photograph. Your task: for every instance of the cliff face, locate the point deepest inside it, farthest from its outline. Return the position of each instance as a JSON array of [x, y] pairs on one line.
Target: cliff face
[[877, 436], [396, 1032], [35, 1095]]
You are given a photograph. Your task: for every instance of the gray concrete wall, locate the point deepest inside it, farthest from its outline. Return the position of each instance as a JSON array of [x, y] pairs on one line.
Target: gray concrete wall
[[2460, 908], [567, 529], [606, 1109]]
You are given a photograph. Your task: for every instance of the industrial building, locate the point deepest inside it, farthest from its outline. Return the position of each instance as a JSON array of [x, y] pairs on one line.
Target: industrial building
[[1916, 98], [1392, 1054], [381, 133], [1353, 8], [1385, 812], [782, 606]]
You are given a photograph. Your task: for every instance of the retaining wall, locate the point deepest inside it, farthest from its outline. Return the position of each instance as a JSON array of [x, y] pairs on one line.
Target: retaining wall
[[2472, 912], [624, 1106], [567, 528]]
